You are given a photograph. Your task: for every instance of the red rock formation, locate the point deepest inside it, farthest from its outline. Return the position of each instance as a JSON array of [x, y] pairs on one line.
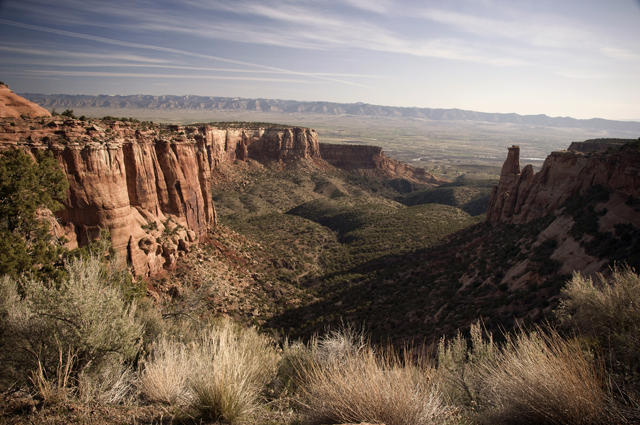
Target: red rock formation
[[523, 196], [372, 159], [149, 187], [596, 145], [12, 105]]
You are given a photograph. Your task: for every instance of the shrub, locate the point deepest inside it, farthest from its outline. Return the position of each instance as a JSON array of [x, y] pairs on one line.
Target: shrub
[[608, 310], [540, 378], [115, 383], [26, 187], [164, 377], [84, 315], [361, 385], [458, 364]]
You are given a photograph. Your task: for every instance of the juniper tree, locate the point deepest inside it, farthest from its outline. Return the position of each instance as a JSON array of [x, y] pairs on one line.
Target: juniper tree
[[26, 187]]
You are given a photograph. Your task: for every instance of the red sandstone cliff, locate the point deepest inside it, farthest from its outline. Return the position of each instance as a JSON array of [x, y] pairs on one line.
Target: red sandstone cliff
[[372, 160], [148, 185], [522, 195]]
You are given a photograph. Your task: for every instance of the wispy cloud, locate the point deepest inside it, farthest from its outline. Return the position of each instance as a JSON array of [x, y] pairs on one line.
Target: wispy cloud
[[619, 53], [580, 75], [167, 50], [59, 73], [294, 24], [106, 57]]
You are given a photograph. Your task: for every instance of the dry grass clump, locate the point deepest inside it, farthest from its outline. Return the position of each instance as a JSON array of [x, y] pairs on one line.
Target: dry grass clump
[[221, 375], [228, 370], [164, 377], [540, 378], [362, 385]]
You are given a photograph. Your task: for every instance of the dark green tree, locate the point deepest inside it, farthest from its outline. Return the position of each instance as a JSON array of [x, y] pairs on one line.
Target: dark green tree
[[68, 113], [26, 187]]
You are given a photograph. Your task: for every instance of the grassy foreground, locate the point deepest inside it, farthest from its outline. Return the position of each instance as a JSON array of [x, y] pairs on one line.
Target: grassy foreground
[[74, 348]]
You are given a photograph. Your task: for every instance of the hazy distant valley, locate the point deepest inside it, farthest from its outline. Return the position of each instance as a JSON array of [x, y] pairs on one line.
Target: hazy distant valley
[[446, 142]]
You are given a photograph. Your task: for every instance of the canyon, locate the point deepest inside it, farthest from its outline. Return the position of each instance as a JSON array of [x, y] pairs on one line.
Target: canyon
[[150, 185]]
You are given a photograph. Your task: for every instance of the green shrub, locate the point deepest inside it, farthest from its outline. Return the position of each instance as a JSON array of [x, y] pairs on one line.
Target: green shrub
[[85, 315], [459, 361], [25, 238], [609, 311]]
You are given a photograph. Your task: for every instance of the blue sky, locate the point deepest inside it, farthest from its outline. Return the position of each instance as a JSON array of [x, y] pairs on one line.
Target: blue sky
[[561, 58]]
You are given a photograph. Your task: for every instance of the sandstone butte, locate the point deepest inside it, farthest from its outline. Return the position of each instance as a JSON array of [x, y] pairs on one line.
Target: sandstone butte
[[523, 195], [149, 185]]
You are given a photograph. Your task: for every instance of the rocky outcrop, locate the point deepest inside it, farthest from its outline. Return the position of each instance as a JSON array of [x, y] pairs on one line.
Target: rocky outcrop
[[522, 195], [372, 160], [261, 144], [151, 192], [14, 106]]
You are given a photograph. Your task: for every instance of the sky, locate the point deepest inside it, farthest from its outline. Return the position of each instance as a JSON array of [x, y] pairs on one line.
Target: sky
[[577, 58]]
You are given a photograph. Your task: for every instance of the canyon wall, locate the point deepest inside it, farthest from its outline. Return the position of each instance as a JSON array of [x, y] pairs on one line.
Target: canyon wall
[[372, 160], [148, 185], [523, 195]]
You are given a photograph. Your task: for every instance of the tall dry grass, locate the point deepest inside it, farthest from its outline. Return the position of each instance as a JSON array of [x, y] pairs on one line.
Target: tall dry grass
[[228, 370], [220, 376], [540, 378], [55, 389], [362, 385], [164, 375]]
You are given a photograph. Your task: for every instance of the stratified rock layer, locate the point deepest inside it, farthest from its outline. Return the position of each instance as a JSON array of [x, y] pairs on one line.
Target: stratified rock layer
[[148, 185]]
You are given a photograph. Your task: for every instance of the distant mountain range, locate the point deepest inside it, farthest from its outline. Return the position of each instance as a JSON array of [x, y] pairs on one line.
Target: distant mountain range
[[210, 103]]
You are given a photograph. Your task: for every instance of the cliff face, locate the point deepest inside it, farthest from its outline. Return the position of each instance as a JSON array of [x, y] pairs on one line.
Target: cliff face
[[372, 160], [151, 193], [148, 185], [271, 144], [522, 196]]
